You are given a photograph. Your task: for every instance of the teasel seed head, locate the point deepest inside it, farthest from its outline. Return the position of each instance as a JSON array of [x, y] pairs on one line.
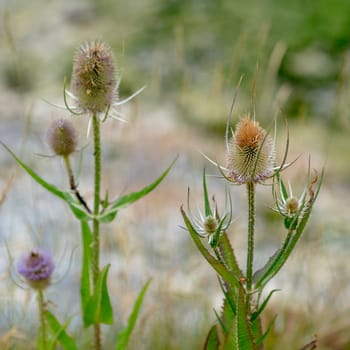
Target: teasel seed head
[[250, 156], [210, 224], [94, 77], [62, 137], [36, 267], [292, 205]]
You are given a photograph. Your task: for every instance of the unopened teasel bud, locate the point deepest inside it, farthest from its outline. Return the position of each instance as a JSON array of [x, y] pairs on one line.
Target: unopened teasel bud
[[62, 137], [94, 77]]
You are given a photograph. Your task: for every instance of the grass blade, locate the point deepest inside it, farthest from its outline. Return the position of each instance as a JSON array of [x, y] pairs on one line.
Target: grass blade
[[124, 335]]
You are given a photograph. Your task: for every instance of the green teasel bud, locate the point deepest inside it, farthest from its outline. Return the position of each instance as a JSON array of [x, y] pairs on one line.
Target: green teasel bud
[[210, 224], [62, 137], [94, 77]]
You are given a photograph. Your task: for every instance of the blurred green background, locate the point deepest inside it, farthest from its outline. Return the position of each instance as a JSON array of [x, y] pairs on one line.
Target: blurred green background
[[294, 57]]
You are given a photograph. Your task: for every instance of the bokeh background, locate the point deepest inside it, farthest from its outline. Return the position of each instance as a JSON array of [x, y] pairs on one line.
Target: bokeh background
[[295, 60]]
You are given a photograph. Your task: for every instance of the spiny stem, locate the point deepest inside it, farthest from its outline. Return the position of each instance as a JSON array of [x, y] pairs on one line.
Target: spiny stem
[[96, 224], [73, 185], [42, 328], [251, 228]]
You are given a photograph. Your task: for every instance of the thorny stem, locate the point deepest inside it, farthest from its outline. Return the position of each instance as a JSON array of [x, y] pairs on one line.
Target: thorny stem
[[96, 224], [251, 227], [73, 185], [42, 327]]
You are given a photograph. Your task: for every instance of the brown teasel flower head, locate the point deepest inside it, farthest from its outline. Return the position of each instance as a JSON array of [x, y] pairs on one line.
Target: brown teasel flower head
[[62, 137], [94, 77], [250, 153]]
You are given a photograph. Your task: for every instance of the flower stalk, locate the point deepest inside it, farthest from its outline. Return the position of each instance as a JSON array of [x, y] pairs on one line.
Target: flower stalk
[[96, 224], [251, 229], [42, 334]]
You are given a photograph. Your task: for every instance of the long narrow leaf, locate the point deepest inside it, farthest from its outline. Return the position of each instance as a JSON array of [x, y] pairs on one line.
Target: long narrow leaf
[[256, 314], [212, 342], [218, 267], [130, 198], [256, 328], [244, 336], [124, 335], [60, 333], [228, 255], [207, 208], [261, 340], [99, 307], [51, 188], [85, 279], [76, 207]]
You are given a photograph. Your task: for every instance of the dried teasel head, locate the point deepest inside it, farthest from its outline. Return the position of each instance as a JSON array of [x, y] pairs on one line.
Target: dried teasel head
[[94, 77], [250, 155]]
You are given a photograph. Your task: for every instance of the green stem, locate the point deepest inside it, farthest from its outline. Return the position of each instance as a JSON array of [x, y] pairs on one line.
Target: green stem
[[42, 328], [96, 223], [251, 228]]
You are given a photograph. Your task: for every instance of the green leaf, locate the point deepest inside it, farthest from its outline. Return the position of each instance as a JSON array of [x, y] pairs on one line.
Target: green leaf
[[59, 333], [85, 279], [124, 335], [222, 324], [256, 328], [217, 234], [51, 188], [257, 313], [207, 208], [99, 308], [75, 206], [212, 342], [282, 187], [218, 267], [228, 310], [40, 340], [244, 337], [261, 340], [228, 256], [130, 198]]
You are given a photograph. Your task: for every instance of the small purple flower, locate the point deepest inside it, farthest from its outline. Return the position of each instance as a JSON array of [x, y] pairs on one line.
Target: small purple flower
[[36, 267]]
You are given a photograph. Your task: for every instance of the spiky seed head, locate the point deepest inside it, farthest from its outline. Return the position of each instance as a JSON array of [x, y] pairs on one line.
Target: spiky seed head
[[210, 224], [62, 137], [94, 77], [36, 267], [292, 206], [250, 156]]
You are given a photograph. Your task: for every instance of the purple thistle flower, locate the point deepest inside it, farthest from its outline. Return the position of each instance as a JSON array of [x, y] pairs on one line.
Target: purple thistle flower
[[36, 267]]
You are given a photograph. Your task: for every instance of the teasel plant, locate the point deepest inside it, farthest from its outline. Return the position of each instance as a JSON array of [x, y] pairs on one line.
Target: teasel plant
[[35, 270], [250, 154], [94, 93]]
